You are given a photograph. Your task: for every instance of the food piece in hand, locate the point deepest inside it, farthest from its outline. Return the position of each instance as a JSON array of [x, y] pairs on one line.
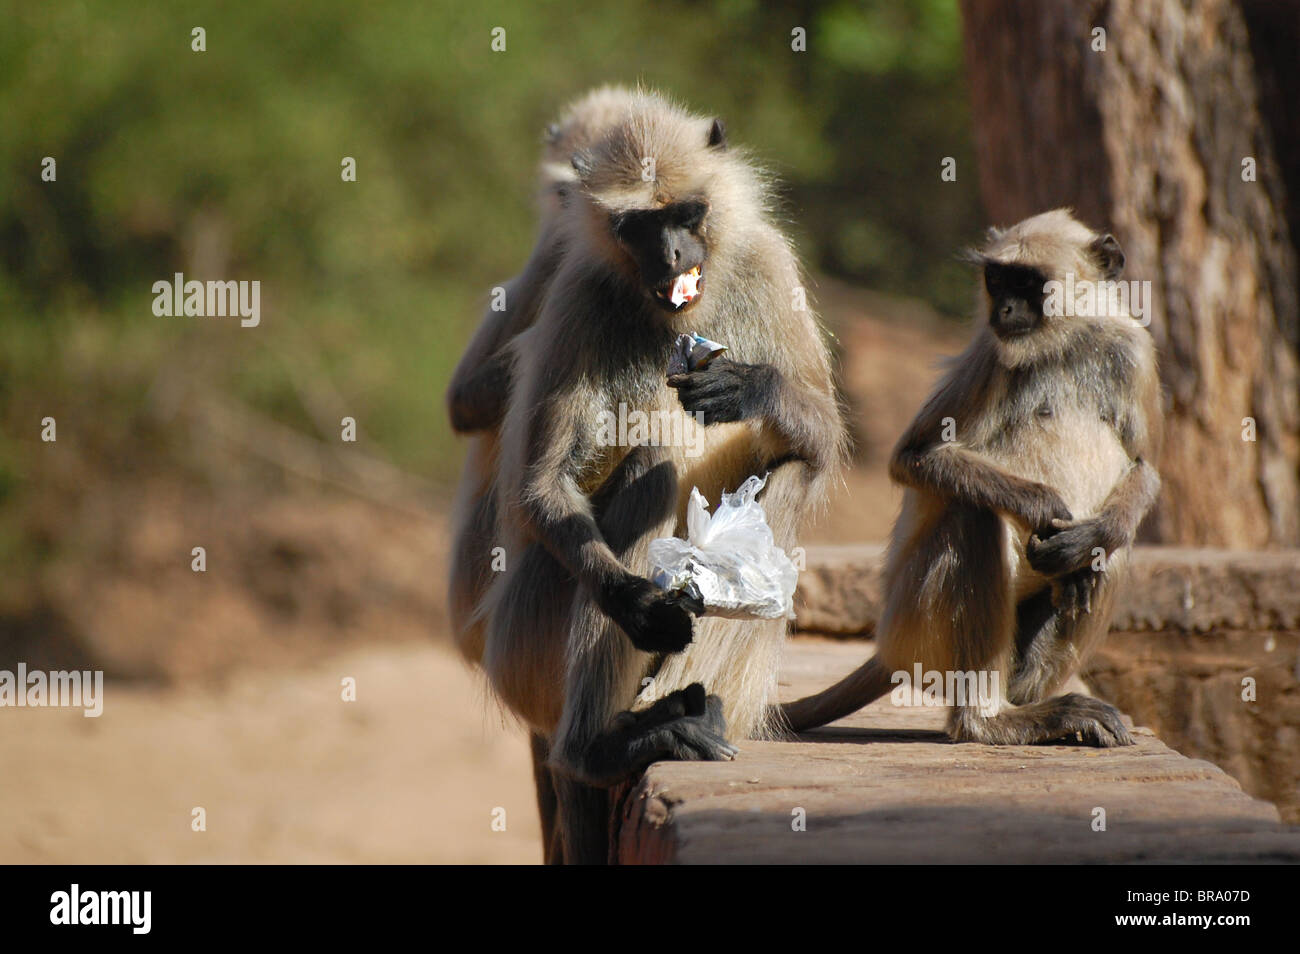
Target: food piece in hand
[[692, 353]]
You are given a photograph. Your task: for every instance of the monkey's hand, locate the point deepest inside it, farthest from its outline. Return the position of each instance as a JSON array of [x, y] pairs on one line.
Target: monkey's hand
[[1074, 546], [1041, 508], [1072, 594], [655, 619], [726, 390]]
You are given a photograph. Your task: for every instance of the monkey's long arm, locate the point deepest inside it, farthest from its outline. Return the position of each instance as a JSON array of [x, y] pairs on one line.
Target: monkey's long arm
[[560, 515], [946, 469], [480, 385], [801, 418], [1128, 503], [1141, 432], [798, 416], [477, 400]]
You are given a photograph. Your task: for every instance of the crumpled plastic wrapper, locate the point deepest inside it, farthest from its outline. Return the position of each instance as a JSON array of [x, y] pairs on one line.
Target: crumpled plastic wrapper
[[691, 353], [729, 560]]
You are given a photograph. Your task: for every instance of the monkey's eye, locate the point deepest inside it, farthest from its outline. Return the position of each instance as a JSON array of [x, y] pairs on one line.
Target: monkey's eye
[[1027, 282], [1020, 282], [688, 214], [635, 226], [692, 214]]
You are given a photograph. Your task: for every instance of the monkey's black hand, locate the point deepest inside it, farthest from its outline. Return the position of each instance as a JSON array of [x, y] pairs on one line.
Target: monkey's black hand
[[1043, 506], [656, 620], [726, 390], [1072, 547]]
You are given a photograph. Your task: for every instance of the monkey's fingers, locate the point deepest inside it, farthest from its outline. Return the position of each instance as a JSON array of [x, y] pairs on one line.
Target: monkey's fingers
[[689, 599], [698, 387], [1088, 588], [1065, 597], [1064, 552], [700, 743]]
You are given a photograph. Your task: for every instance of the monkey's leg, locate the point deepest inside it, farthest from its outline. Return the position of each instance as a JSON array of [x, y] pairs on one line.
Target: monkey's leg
[[1052, 644], [983, 640], [685, 725], [552, 847], [582, 837], [599, 742]]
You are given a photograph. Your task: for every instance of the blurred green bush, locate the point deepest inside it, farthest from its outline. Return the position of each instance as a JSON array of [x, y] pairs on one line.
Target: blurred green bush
[[226, 164]]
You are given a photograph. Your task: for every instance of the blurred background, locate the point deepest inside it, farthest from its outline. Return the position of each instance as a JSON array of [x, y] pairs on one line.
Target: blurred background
[[326, 559]]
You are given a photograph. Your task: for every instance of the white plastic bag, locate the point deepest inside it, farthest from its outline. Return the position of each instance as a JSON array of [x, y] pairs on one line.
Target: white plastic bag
[[729, 559]]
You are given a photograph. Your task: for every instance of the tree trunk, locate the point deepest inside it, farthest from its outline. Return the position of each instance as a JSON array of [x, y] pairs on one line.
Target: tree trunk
[[1146, 138]]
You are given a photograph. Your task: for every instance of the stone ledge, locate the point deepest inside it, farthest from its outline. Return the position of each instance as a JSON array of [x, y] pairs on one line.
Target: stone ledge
[[886, 786], [1169, 588]]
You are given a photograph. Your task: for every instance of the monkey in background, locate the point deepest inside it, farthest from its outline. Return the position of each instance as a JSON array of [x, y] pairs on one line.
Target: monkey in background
[[1015, 531], [476, 396], [666, 230]]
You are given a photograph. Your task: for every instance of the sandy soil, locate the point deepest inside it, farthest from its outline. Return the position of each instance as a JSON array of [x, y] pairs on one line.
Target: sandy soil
[[287, 772]]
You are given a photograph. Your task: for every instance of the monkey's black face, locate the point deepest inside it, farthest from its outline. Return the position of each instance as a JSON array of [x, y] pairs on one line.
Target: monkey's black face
[[1017, 295], [669, 251]]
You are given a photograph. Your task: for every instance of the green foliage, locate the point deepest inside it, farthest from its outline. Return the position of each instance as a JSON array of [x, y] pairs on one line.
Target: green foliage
[[226, 164]]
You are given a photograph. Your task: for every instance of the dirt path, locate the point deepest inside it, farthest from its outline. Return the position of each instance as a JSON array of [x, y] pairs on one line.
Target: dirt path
[[287, 772]]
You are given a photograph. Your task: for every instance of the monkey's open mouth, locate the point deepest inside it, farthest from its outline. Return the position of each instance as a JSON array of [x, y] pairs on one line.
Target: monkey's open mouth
[[682, 290]]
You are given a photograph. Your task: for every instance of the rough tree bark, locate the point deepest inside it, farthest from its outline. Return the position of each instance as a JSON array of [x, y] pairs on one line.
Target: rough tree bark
[[1147, 138]]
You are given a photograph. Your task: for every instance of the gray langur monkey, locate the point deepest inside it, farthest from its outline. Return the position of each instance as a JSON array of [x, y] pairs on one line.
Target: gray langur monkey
[[1016, 524], [480, 384], [666, 231]]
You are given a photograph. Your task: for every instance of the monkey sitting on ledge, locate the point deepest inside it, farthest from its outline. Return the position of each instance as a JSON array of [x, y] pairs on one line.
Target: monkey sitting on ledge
[[1026, 475]]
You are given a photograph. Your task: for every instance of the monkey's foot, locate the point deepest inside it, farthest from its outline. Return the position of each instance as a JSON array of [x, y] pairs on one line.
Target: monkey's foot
[[1065, 718], [684, 726]]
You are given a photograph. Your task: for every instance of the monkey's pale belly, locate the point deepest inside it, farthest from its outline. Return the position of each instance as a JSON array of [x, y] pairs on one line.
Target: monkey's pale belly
[[1077, 454]]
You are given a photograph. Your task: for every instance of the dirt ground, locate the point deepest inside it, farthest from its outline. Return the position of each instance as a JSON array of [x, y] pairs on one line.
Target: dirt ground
[[287, 772]]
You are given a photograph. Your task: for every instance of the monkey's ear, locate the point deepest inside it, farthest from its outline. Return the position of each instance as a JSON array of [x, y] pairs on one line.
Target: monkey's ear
[[1109, 256], [718, 135], [552, 133], [582, 163]]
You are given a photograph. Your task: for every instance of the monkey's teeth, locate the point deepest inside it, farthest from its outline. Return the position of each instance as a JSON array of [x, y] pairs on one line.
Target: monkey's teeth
[[686, 287]]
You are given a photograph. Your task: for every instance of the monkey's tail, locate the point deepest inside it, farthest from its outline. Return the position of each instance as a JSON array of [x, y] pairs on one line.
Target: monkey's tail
[[865, 684]]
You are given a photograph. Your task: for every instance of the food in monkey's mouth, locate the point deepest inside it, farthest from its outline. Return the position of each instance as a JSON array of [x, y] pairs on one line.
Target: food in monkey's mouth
[[685, 288]]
